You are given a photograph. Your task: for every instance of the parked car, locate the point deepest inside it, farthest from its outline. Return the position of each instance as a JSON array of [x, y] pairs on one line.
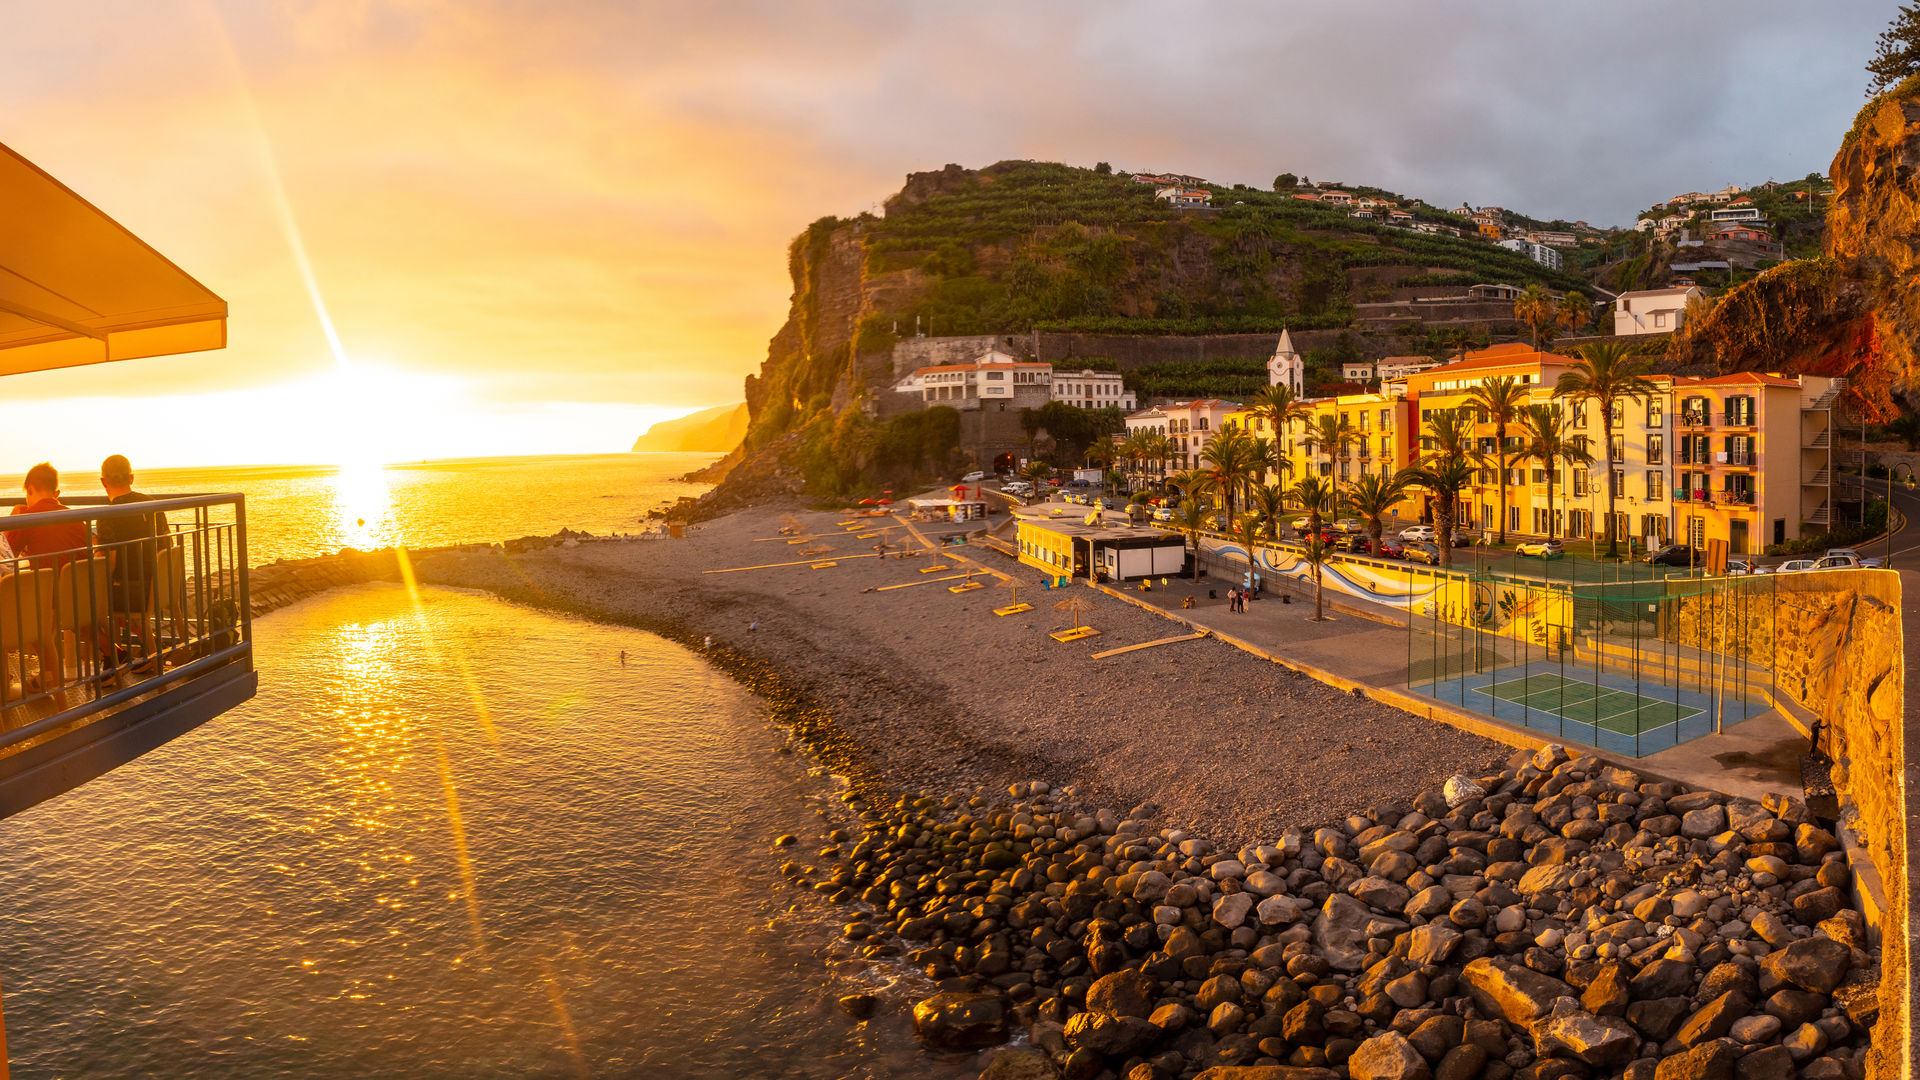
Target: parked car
[[1388, 548], [1299, 526], [1742, 566], [1421, 551], [1350, 526], [1837, 562], [1462, 538], [1795, 566], [1354, 542], [1867, 562], [973, 477], [1674, 555], [1162, 514], [1544, 549], [1417, 532]]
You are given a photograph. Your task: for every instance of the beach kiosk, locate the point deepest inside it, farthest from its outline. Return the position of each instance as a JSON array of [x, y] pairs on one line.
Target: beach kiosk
[[937, 509], [76, 288], [1115, 552]]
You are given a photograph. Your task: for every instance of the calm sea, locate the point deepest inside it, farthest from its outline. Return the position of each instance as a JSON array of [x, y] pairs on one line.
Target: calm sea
[[294, 511], [451, 838]]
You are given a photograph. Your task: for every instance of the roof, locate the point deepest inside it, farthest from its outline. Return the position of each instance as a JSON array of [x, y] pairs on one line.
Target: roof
[[1509, 355], [1204, 403], [1737, 378], [77, 288], [1658, 292], [1113, 533], [977, 366]]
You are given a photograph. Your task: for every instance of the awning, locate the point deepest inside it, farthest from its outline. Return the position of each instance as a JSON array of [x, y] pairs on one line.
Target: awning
[[77, 288]]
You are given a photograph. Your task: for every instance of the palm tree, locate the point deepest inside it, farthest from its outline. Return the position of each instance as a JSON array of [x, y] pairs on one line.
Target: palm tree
[[1543, 441], [1229, 459], [1191, 483], [1574, 313], [1608, 372], [1133, 450], [1101, 453], [1269, 501], [1317, 497], [1246, 532], [1371, 496], [1447, 467], [1499, 400], [1036, 473], [1327, 435], [1316, 555], [1191, 520], [1535, 308], [1280, 408]]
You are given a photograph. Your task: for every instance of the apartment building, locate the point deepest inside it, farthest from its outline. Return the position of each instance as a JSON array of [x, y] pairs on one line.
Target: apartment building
[[992, 378], [1743, 458], [1093, 390], [1380, 440], [1191, 425]]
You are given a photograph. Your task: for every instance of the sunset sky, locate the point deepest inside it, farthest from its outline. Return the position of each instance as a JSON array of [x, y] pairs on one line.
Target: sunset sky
[[539, 227]]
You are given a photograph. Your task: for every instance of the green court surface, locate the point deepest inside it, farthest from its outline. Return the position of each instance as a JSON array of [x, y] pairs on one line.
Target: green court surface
[[1620, 711]]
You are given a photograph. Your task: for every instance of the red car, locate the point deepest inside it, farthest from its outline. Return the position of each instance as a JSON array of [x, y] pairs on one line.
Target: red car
[[1388, 548]]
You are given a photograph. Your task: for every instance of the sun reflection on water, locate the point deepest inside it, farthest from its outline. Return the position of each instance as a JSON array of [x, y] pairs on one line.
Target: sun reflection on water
[[362, 504]]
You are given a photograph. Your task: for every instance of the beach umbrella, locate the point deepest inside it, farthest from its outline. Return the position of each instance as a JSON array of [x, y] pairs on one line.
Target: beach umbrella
[[1013, 583], [885, 502], [815, 550], [867, 502], [1076, 603]]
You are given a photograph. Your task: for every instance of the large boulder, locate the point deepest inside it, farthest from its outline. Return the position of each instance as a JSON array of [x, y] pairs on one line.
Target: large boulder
[[1816, 963], [1432, 943], [1714, 1019], [1597, 1040], [957, 1021], [1519, 995], [1708, 1061], [1343, 927], [1266, 1072], [1231, 910], [1121, 993], [1110, 1036], [1546, 878], [1019, 1064], [1388, 1056]]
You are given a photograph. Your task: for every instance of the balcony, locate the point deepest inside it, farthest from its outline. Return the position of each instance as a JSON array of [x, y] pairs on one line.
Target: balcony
[[1695, 420], [1730, 419], [117, 636], [1740, 459]]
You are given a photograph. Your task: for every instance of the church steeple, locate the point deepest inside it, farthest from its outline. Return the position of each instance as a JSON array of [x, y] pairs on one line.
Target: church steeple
[[1287, 367]]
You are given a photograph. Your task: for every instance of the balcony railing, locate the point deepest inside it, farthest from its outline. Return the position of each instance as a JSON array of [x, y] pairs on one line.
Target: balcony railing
[[1734, 457], [1735, 419], [120, 628]]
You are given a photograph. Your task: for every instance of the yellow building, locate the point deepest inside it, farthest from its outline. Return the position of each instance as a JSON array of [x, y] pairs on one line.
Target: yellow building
[[1381, 438]]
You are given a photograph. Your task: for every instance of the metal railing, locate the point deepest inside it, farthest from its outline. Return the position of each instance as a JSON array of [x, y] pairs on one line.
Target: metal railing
[[102, 605]]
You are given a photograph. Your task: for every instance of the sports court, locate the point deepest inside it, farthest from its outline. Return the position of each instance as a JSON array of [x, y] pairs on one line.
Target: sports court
[[1624, 711], [1610, 710]]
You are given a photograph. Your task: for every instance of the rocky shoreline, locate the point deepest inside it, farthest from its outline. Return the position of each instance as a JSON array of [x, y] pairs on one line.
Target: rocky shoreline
[[1560, 918]]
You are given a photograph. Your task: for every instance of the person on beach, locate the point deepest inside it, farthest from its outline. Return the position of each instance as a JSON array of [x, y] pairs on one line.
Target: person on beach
[[752, 626], [623, 658], [1187, 602]]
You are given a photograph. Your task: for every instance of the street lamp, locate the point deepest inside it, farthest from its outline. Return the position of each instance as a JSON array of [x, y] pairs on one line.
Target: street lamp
[[1893, 473]]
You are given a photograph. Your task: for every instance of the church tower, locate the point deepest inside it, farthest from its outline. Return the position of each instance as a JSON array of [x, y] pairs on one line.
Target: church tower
[[1287, 368]]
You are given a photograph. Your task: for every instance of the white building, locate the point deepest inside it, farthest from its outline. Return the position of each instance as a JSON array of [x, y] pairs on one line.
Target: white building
[[1399, 367], [1287, 367], [1737, 213], [1188, 425], [1539, 253], [1651, 311], [1184, 196], [1360, 372], [992, 377], [1093, 390]]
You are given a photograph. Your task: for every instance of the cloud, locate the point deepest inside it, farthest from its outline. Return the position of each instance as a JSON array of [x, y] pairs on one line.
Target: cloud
[[590, 202]]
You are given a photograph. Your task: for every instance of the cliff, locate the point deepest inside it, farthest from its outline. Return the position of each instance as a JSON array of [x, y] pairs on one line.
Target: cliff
[[716, 430], [1854, 312]]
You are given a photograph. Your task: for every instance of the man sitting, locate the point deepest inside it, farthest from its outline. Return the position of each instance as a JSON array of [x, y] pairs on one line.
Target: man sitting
[[135, 541], [46, 546]]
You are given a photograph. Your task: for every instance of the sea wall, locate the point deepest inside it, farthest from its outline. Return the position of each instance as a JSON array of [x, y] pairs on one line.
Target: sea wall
[[288, 581]]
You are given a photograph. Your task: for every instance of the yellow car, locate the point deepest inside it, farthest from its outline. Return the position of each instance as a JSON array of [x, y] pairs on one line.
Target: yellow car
[[1545, 549]]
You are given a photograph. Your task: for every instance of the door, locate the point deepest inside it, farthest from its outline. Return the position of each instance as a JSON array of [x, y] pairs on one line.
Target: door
[[1779, 530], [1737, 536]]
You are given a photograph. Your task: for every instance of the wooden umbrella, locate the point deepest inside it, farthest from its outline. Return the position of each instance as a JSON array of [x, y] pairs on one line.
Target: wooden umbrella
[[1076, 603]]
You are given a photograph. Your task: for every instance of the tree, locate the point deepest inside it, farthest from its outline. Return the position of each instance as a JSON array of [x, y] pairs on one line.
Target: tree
[[1573, 312], [1317, 497], [1446, 468], [1607, 372], [1535, 308], [1036, 473], [1499, 400], [1246, 532], [1316, 555], [1371, 496], [1103, 168], [1269, 502], [1898, 55], [1278, 406], [1906, 429], [1228, 460], [1285, 180], [1543, 440], [1191, 520]]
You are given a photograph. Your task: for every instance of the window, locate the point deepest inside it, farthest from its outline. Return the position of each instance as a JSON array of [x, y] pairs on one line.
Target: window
[[1203, 423], [1656, 446], [1366, 420], [1617, 448], [1655, 412], [1656, 484], [1659, 318], [1343, 469], [1486, 477], [1580, 414], [1619, 482], [1581, 483], [1579, 524], [1386, 419], [1386, 446], [1513, 519], [1654, 528], [997, 376], [1619, 414]]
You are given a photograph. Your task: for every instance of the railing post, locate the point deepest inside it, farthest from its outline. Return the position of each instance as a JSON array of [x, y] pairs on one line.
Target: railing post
[[240, 567]]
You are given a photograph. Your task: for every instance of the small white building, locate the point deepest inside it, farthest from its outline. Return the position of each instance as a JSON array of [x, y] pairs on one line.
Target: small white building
[[1652, 311], [1539, 253], [1093, 390], [1391, 368], [1737, 213], [1357, 372], [1184, 196]]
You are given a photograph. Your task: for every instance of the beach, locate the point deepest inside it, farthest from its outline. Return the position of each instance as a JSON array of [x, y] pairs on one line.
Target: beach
[[921, 689]]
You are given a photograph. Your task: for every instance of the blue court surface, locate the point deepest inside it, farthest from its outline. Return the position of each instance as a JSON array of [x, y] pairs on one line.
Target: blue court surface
[[1601, 709]]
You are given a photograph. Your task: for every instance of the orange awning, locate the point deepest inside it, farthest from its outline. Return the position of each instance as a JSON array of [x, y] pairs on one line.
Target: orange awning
[[77, 288]]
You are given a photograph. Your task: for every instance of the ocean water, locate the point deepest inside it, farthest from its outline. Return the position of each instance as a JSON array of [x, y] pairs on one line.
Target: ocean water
[[451, 837], [296, 511]]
